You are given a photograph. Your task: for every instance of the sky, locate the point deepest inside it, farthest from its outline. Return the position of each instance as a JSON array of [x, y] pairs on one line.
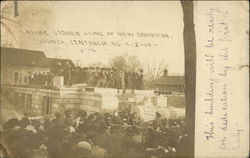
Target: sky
[[162, 19]]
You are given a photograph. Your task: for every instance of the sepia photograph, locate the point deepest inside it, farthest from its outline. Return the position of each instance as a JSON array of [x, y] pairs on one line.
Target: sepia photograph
[[92, 79], [110, 79]]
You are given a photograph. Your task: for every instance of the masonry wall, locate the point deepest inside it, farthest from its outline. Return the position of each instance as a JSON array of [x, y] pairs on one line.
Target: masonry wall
[[37, 101], [48, 101]]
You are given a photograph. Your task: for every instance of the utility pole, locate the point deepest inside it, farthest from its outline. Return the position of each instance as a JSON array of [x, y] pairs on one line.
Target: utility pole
[[190, 72], [15, 9]]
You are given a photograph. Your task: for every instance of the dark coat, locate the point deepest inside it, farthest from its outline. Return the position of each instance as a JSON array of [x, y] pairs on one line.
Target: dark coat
[[113, 144]]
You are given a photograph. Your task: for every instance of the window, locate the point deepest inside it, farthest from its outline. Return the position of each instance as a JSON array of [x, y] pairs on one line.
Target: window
[[29, 101], [15, 78], [47, 105], [15, 99], [22, 100]]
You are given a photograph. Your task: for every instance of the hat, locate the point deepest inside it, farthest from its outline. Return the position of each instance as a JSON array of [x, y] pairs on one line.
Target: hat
[[24, 122], [116, 122], [57, 115], [35, 123], [82, 114], [136, 129], [67, 112], [11, 123], [158, 114], [84, 145], [129, 130]]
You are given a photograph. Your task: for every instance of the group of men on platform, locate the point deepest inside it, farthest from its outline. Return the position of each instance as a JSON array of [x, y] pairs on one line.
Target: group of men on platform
[[105, 77], [93, 76], [42, 79]]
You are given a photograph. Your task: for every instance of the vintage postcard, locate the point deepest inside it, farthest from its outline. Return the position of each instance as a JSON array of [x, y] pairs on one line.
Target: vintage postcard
[[124, 79]]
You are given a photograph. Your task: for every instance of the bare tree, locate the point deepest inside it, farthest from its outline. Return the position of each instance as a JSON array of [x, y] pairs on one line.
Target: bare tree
[[125, 62], [119, 62], [133, 63], [154, 70]]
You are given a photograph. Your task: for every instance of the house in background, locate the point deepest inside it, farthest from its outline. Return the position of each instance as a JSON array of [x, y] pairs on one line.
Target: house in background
[[18, 63], [171, 84]]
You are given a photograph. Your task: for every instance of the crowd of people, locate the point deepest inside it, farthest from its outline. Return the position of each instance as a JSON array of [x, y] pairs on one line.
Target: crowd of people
[[105, 77], [42, 79], [97, 135]]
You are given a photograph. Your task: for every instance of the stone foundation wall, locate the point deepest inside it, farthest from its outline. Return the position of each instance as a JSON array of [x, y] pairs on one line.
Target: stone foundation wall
[[71, 98], [75, 98]]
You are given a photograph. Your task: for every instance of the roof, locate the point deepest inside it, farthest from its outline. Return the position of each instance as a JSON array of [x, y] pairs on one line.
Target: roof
[[23, 57], [170, 80]]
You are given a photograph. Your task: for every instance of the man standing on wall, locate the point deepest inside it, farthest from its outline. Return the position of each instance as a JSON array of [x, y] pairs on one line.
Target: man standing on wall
[[68, 73]]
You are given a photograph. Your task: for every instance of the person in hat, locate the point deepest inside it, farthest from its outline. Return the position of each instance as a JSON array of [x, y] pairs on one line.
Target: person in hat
[[95, 76], [140, 79], [24, 122], [9, 137], [81, 126], [23, 137], [157, 123], [99, 128], [67, 113], [131, 145], [114, 140], [10, 124], [46, 123], [57, 118], [38, 136], [101, 77], [68, 134], [80, 122], [54, 133], [84, 75], [112, 77], [98, 151], [91, 76], [67, 117], [107, 77]]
